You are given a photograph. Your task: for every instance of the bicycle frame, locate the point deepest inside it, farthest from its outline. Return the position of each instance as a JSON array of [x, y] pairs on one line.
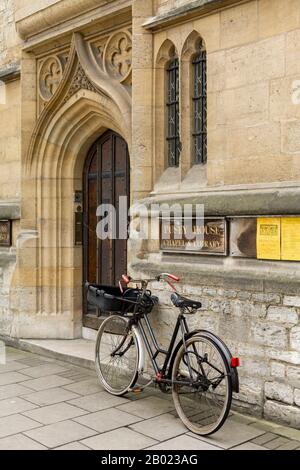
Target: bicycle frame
[[142, 338], [181, 325]]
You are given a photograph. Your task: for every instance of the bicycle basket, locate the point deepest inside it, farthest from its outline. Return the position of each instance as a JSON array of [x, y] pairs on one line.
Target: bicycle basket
[[106, 298], [111, 299]]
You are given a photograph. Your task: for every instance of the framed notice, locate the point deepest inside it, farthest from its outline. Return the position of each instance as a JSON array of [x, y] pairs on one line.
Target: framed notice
[[268, 238], [5, 233], [290, 239], [206, 236]]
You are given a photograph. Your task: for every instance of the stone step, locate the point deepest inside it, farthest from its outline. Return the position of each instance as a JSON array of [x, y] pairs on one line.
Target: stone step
[[79, 352]]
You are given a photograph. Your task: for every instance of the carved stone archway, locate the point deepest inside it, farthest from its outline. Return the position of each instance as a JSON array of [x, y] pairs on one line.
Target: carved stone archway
[[47, 295]]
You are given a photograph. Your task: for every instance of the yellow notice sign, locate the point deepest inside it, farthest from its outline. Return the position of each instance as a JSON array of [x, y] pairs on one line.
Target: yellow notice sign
[[290, 235], [268, 238]]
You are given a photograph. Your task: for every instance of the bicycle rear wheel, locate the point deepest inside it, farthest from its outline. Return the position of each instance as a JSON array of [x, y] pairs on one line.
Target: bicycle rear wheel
[[202, 391], [117, 355]]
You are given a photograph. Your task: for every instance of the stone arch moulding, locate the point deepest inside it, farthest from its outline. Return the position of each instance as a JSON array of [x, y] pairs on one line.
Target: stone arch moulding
[[190, 46], [166, 52], [193, 43], [47, 285]]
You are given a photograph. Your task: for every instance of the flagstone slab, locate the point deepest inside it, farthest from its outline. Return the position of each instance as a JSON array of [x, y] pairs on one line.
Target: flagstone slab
[[55, 413], [20, 442], [107, 420], [119, 439], [59, 434]]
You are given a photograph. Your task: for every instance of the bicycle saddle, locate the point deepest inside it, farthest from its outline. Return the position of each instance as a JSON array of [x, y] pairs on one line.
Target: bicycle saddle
[[183, 302]]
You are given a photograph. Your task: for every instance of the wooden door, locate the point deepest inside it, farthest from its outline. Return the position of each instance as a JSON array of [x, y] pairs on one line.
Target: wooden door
[[106, 178]]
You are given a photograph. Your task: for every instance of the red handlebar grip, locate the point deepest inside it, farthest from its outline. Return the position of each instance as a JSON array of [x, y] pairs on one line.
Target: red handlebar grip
[[175, 278], [126, 279]]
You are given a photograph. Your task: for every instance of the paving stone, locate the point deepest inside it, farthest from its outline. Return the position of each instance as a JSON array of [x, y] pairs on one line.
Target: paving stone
[[73, 446], [148, 407], [17, 354], [15, 424], [264, 438], [13, 390], [107, 420], [248, 446], [20, 442], [276, 443], [161, 427], [231, 435], [290, 445], [50, 397], [44, 370], [54, 413], [242, 419], [74, 376], [36, 361], [11, 367], [289, 432], [14, 405], [184, 442], [44, 383], [59, 434], [98, 401], [11, 377], [119, 439], [86, 387], [266, 426]]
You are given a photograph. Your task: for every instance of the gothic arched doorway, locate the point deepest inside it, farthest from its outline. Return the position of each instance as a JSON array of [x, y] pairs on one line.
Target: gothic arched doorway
[[105, 179]]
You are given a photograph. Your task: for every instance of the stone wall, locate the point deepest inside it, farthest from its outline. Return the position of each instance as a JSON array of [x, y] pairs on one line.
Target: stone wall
[[7, 266], [10, 155], [253, 66], [260, 324], [10, 106], [9, 40]]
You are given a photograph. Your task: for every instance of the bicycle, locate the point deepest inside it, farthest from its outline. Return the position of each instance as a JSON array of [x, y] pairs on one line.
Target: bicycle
[[199, 369]]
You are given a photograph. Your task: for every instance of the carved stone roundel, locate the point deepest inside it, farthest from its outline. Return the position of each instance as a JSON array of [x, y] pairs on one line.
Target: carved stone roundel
[[50, 76], [118, 55]]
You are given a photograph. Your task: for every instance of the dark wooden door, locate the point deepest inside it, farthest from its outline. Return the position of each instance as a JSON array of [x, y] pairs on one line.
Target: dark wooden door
[[106, 178]]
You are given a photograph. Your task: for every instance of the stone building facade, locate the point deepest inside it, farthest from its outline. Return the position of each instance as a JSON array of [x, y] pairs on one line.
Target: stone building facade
[[74, 72]]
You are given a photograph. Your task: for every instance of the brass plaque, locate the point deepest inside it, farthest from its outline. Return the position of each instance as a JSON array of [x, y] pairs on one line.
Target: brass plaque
[[210, 236], [5, 233]]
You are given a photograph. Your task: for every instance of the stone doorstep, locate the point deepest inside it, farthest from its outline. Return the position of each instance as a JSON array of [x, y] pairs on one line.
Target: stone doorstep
[[80, 352]]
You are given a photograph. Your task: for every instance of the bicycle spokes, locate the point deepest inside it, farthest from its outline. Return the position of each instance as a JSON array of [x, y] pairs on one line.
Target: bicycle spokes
[[201, 388], [116, 355]]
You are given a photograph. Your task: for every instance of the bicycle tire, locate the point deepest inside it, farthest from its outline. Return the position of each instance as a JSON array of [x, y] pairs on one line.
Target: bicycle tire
[[117, 373], [193, 407]]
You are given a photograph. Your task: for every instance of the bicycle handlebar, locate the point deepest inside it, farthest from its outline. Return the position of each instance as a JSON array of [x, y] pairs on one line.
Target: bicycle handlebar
[[161, 277]]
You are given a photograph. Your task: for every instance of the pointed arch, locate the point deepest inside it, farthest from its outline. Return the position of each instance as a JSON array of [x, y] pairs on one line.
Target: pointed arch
[[166, 53], [86, 103], [194, 47]]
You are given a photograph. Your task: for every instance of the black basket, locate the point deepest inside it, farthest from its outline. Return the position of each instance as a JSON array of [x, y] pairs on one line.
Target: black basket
[[111, 299]]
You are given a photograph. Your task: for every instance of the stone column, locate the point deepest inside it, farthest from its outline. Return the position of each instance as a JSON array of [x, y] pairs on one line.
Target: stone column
[[142, 102]]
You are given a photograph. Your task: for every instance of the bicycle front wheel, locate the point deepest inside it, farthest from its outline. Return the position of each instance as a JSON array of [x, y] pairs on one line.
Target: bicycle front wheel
[[202, 388], [117, 355]]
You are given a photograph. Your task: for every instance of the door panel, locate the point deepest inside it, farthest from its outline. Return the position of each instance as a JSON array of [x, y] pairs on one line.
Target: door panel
[[106, 178]]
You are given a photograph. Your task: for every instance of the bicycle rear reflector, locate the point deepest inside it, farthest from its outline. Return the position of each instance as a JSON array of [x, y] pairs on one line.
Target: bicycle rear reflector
[[235, 362]]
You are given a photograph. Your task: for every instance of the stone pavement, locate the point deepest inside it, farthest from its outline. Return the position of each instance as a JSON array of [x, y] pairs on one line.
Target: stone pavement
[[50, 404]]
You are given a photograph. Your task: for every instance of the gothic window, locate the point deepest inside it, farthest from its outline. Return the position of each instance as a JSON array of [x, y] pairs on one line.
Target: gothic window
[[199, 106], [173, 134]]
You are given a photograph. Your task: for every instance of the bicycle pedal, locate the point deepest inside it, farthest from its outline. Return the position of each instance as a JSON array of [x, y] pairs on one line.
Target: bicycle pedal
[[137, 390]]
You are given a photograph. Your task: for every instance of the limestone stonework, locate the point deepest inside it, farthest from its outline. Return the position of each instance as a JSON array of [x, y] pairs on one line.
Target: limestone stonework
[[72, 69]]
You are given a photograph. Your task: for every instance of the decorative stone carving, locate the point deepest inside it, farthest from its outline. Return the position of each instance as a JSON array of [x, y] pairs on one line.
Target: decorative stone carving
[[103, 67], [80, 81], [50, 75], [117, 56]]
